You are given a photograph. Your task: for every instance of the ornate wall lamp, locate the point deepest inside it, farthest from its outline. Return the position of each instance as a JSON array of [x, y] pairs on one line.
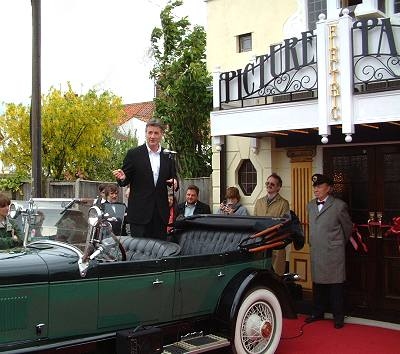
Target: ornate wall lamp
[[254, 145], [217, 141]]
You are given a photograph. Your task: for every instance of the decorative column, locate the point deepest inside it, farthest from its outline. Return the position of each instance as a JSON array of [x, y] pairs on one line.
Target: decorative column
[[216, 92], [301, 171], [322, 65], [346, 74]]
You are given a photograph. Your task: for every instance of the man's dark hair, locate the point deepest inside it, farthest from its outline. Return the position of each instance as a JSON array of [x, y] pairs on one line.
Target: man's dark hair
[[277, 177], [4, 200], [154, 122], [111, 188], [193, 187]]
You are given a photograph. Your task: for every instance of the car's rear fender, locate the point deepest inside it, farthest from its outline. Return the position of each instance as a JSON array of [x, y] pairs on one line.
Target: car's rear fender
[[233, 294]]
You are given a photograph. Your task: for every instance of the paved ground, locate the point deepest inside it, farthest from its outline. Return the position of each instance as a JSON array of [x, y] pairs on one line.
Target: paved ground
[[221, 351]]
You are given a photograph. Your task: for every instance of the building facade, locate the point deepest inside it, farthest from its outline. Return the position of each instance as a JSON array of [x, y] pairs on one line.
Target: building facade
[[299, 97], [136, 115]]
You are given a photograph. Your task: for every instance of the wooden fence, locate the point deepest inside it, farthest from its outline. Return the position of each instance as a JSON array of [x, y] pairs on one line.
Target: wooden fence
[[89, 189]]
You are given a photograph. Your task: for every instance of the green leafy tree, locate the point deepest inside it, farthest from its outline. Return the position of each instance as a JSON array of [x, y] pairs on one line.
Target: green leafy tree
[[13, 182], [183, 101], [118, 145], [74, 131]]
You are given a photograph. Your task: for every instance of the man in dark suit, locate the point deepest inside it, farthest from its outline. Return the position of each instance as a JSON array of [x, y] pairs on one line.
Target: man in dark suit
[[330, 229], [148, 170], [193, 205]]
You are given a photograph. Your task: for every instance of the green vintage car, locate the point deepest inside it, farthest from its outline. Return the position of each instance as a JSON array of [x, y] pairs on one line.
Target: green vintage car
[[78, 287]]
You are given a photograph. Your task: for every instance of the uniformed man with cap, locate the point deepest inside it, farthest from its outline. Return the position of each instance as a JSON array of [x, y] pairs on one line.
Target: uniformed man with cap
[[330, 227]]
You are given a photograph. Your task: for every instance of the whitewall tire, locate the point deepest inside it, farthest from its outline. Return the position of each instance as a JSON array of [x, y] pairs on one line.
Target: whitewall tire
[[258, 325]]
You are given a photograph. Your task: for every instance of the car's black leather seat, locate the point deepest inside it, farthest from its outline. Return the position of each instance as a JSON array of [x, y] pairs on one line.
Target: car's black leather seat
[[196, 242], [214, 234], [148, 248]]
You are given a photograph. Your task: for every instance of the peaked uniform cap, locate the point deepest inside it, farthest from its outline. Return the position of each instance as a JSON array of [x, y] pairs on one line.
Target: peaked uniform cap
[[318, 179]]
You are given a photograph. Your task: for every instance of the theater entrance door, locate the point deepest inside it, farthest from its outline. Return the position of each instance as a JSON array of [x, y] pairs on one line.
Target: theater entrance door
[[368, 179]]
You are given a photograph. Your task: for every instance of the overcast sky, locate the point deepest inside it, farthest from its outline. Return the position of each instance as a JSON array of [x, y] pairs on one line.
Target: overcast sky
[[100, 44]]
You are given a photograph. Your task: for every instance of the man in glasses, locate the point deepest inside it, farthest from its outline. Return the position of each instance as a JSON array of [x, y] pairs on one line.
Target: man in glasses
[[275, 206]]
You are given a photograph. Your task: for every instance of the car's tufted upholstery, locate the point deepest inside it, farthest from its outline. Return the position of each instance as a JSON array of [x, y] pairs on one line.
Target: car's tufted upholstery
[[202, 241], [200, 235], [214, 234], [148, 248]]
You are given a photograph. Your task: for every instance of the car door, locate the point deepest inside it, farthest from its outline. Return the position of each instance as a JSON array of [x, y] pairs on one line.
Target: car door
[[200, 281], [135, 293]]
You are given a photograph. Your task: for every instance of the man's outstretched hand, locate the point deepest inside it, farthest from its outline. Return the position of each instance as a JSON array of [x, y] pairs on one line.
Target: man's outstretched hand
[[173, 182], [119, 174]]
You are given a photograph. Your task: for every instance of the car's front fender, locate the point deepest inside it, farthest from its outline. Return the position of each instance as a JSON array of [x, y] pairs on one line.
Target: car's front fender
[[24, 266], [233, 294]]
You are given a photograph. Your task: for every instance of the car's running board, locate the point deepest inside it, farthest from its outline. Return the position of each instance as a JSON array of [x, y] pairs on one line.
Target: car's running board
[[198, 344]]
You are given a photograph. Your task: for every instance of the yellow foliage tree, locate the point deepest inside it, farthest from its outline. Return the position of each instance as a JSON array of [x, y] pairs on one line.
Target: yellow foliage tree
[[74, 128]]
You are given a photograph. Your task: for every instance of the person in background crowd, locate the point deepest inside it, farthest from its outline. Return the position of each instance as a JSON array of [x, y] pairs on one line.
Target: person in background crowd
[[148, 171], [112, 196], [231, 205], [330, 229], [173, 211], [111, 193], [193, 205], [101, 198], [10, 234], [274, 205]]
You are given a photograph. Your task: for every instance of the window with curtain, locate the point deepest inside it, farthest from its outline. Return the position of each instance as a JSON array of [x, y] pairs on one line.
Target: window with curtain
[[314, 9], [396, 9], [244, 42]]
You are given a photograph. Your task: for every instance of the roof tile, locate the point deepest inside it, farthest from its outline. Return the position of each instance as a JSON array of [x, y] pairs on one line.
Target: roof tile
[[143, 111]]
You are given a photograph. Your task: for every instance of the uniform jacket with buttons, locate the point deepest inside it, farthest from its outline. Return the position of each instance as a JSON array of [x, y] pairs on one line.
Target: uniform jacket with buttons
[[330, 229]]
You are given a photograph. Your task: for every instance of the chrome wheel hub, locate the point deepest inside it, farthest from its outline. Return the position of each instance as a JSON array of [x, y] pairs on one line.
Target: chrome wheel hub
[[257, 328]]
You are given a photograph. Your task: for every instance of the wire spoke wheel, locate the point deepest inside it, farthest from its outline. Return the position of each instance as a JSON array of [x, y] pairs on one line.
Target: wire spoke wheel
[[257, 327], [259, 323]]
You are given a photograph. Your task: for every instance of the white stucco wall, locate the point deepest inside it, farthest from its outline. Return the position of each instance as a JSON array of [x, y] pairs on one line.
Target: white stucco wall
[[266, 160], [227, 19], [275, 20], [132, 127]]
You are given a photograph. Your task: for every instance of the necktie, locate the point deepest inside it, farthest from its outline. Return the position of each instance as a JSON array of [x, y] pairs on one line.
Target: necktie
[[320, 203]]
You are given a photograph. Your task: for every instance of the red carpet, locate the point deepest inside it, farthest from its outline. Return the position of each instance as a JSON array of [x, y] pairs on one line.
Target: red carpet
[[320, 337]]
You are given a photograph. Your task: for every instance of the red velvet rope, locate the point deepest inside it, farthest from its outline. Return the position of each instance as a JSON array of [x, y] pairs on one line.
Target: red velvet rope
[[395, 230], [359, 239], [356, 238]]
